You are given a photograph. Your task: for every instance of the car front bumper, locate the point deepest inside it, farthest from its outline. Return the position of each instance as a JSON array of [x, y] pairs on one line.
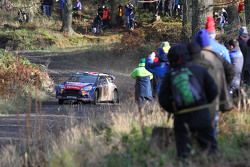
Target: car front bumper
[[82, 96]]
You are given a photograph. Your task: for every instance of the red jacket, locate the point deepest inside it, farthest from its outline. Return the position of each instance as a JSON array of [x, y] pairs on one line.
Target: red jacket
[[106, 14], [240, 7]]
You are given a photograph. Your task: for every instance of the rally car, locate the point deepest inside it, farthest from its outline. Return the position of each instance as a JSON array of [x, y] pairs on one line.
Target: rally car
[[88, 87]]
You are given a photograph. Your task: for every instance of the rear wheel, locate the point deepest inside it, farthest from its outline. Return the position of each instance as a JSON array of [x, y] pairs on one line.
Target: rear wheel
[[115, 97], [96, 97], [60, 101]]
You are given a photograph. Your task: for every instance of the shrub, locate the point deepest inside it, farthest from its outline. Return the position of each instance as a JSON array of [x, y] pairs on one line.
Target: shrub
[[20, 78]]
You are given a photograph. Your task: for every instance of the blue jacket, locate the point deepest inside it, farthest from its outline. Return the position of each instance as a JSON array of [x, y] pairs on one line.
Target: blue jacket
[[62, 3], [220, 49], [128, 11], [158, 69], [237, 61]]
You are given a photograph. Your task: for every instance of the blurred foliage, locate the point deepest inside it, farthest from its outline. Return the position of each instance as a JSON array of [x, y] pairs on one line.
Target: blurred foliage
[[20, 79]]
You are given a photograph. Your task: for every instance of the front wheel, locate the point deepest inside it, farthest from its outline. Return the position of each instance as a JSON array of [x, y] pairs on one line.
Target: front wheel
[[96, 97], [115, 97]]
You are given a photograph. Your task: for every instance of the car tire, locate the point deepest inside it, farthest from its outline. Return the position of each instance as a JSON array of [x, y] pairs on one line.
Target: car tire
[[115, 97], [60, 101], [96, 97]]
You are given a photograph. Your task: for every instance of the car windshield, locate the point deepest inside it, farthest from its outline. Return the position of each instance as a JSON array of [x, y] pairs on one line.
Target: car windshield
[[84, 78]]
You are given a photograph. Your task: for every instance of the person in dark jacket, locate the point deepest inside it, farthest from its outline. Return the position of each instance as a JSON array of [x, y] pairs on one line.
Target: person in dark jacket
[[47, 7], [197, 119], [221, 71], [237, 62], [143, 90], [97, 25], [61, 8], [243, 38]]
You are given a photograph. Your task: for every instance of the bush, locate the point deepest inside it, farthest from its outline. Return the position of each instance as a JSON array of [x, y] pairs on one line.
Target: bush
[[161, 31], [21, 79]]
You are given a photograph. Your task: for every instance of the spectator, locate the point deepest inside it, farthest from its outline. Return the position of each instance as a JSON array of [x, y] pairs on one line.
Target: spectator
[[62, 6], [158, 65], [106, 17], [168, 7], [220, 70], [78, 6], [143, 91], [194, 119], [216, 46], [241, 7], [240, 10], [129, 13], [243, 38], [119, 17], [47, 7], [224, 12], [237, 61], [100, 11], [177, 8], [222, 22], [77, 10], [97, 25]]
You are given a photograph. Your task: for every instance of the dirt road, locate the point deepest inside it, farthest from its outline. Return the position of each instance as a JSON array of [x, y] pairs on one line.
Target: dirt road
[[16, 128]]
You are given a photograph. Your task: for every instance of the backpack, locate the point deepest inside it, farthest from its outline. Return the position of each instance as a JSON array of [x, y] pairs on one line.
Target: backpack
[[186, 89]]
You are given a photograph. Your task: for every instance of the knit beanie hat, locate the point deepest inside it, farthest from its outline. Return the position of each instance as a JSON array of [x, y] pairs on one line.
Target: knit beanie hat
[[202, 38], [165, 46], [210, 24], [142, 62], [243, 30], [176, 55]]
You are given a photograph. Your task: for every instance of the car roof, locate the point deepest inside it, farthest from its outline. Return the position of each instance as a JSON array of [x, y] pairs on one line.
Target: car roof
[[93, 74]]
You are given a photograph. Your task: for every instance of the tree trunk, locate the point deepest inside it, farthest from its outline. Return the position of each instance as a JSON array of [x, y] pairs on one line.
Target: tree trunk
[[185, 26], [67, 18], [200, 10], [233, 16], [247, 11], [196, 16], [113, 11]]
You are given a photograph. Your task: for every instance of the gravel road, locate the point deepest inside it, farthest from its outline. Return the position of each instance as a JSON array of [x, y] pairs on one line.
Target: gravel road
[[52, 117]]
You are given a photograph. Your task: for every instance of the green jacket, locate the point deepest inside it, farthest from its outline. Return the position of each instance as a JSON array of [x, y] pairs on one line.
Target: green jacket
[[141, 71]]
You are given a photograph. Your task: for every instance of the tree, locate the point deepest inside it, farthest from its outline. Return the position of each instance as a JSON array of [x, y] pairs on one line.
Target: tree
[[233, 16], [196, 16], [200, 10], [67, 18], [247, 11], [185, 21]]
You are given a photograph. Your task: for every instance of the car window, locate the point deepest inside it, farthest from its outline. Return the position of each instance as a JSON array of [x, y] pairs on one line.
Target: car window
[[110, 79], [83, 78], [103, 80]]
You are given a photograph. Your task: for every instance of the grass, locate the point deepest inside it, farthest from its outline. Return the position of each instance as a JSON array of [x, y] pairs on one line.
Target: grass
[[119, 142], [122, 145], [42, 38]]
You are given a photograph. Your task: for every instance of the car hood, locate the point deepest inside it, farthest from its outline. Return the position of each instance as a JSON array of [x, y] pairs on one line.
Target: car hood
[[76, 85]]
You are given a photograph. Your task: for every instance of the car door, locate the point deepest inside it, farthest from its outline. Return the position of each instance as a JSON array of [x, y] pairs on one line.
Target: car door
[[111, 88], [103, 89]]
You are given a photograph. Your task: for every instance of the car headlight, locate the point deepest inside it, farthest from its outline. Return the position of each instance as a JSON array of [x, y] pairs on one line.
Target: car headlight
[[87, 88]]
